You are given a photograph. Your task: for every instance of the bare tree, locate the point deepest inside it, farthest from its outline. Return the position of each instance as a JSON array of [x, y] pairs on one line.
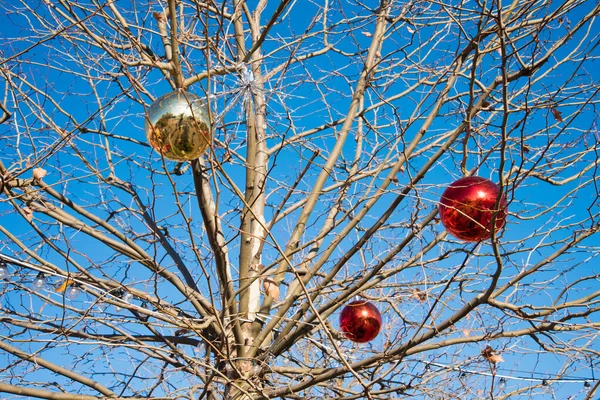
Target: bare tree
[[337, 126]]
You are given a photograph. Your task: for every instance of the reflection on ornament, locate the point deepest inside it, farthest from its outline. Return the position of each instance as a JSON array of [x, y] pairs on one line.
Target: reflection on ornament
[[467, 208], [360, 321], [177, 126]]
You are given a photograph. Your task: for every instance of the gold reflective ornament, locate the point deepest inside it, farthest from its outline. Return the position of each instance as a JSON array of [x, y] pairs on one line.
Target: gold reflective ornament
[[177, 126]]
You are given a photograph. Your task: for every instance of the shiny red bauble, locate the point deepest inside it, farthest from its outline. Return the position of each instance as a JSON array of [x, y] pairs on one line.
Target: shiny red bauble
[[468, 207], [360, 321]]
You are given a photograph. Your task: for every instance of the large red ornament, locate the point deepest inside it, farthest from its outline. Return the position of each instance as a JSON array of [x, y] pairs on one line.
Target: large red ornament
[[467, 208], [360, 321]]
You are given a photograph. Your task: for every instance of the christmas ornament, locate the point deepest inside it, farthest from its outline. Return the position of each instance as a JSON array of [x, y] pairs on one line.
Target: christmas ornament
[[125, 296], [3, 270], [64, 285], [467, 208], [40, 282], [72, 292], [177, 126], [360, 321]]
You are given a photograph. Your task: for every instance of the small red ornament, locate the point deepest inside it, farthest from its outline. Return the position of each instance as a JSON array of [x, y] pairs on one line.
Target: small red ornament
[[360, 321], [467, 208]]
